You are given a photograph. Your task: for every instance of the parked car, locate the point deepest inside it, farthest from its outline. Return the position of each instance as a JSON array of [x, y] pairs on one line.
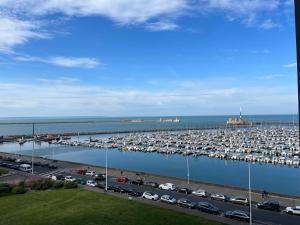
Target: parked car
[[269, 205], [186, 191], [150, 195], [200, 193], [99, 177], [183, 202], [133, 192], [91, 183], [80, 181], [137, 182], [25, 167], [151, 184], [122, 179], [168, 199], [208, 208], [70, 178], [239, 200], [81, 171], [167, 186], [52, 167], [103, 185], [238, 215], [90, 173], [57, 177], [295, 210], [117, 188], [219, 196]]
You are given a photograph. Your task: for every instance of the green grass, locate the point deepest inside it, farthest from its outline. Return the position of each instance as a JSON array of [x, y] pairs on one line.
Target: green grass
[[3, 171], [78, 206]]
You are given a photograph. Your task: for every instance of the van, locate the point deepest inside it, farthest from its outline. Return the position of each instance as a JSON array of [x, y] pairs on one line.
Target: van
[[25, 167]]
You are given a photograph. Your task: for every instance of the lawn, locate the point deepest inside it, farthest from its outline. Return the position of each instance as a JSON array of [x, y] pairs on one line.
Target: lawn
[[78, 206], [3, 171]]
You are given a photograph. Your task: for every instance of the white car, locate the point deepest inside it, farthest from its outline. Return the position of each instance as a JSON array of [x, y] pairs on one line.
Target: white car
[[239, 200], [150, 196], [200, 193], [167, 186], [91, 183], [219, 196], [70, 179], [293, 210], [90, 173], [168, 199]]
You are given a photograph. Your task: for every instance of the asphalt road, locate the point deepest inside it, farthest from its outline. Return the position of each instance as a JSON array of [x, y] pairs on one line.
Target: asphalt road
[[259, 216]]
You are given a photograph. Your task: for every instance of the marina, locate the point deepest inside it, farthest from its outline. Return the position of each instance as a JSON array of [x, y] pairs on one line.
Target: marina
[[268, 145], [219, 155]]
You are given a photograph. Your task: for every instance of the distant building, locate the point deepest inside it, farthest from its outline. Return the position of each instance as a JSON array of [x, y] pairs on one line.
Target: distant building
[[237, 121], [169, 120]]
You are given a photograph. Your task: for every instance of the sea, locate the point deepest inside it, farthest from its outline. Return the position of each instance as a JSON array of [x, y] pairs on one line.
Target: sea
[[272, 178]]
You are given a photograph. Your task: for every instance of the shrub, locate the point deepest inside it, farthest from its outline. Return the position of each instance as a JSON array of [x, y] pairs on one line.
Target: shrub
[[3, 171], [40, 184], [4, 189], [70, 185], [57, 184], [18, 190]]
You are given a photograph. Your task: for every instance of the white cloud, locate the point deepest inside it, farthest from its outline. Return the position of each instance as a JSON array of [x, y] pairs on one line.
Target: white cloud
[[291, 65], [264, 51], [121, 11], [87, 63], [270, 77], [268, 24], [14, 32], [161, 26], [243, 7], [247, 10], [68, 96]]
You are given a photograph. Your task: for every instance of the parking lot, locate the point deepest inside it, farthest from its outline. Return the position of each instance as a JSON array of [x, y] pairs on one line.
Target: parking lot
[[48, 169]]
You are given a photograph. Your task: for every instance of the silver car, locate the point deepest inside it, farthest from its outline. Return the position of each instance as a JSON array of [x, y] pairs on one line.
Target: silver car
[[168, 199]]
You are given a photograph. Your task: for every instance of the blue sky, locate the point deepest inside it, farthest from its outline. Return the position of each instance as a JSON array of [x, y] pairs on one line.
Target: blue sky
[[147, 58]]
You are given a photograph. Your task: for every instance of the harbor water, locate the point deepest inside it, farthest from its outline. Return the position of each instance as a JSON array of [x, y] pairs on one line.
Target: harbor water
[[273, 178]]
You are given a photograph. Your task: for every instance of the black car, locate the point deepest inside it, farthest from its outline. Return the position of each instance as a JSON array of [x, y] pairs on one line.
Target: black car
[[208, 208], [269, 205], [133, 192], [52, 167], [99, 177], [60, 177], [151, 184], [184, 190], [137, 182], [238, 215], [117, 189], [183, 202], [102, 186]]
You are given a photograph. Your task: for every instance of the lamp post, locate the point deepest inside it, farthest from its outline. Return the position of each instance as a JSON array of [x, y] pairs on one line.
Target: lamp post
[[106, 169], [250, 204], [297, 18], [32, 154], [188, 168]]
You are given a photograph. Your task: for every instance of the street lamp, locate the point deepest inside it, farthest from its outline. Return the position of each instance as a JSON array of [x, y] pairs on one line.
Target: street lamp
[[250, 204], [188, 168], [106, 169], [32, 154]]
